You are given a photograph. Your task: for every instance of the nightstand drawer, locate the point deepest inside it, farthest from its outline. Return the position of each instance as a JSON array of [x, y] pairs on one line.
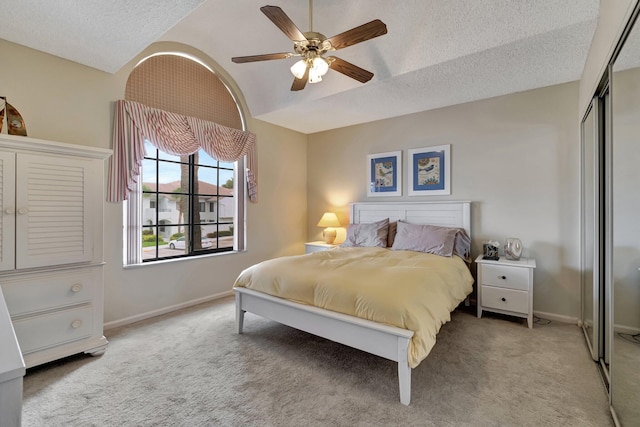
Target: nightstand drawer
[[505, 299], [505, 277]]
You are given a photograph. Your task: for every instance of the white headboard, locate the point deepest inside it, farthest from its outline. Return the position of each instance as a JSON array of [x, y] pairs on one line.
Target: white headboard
[[447, 214]]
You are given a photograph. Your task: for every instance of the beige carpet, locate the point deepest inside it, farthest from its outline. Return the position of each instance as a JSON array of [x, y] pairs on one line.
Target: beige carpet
[[189, 368]]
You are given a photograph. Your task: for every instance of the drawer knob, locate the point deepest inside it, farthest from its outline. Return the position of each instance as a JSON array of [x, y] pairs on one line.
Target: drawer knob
[[503, 299], [502, 277], [9, 211], [76, 323], [23, 211], [77, 287]]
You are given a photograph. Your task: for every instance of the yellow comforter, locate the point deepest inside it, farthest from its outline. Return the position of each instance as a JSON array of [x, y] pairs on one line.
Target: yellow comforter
[[410, 290]]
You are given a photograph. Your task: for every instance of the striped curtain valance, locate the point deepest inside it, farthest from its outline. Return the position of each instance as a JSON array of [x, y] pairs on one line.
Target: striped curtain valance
[[174, 134]]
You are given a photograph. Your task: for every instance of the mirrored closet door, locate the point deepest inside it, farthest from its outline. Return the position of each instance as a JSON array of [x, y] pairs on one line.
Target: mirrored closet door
[[596, 294], [625, 229]]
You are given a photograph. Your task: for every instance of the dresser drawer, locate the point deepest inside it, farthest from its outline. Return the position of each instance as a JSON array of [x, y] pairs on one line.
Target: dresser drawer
[[48, 291], [505, 277], [48, 330], [505, 299]]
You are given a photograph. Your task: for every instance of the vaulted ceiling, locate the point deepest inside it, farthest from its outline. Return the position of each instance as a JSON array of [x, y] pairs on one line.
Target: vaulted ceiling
[[436, 52]]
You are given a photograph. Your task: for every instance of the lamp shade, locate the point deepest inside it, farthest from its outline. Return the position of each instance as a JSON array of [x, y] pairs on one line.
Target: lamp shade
[[314, 77], [320, 65], [298, 69], [329, 219]]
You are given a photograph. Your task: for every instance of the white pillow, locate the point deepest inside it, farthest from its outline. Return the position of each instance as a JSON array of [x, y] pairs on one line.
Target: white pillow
[[373, 234]]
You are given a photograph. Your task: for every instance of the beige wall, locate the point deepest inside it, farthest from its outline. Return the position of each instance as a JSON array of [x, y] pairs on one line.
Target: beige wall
[[63, 101], [516, 157]]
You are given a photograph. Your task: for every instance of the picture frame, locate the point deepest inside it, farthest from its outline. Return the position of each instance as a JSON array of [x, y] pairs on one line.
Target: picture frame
[[384, 174], [430, 171]]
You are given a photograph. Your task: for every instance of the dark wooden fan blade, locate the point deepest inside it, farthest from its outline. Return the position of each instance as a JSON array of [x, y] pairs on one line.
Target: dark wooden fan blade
[[299, 84], [282, 21], [359, 34], [265, 57], [350, 70]]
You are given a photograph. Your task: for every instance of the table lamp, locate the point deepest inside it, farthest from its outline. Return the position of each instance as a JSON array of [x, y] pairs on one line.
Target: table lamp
[[329, 220]]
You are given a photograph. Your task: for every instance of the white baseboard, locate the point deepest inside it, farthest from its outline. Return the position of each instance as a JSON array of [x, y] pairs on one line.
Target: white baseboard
[[161, 311], [623, 329], [556, 317]]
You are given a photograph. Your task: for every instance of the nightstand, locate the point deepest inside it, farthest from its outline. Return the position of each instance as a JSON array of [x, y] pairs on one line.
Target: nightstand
[[506, 287], [317, 247]]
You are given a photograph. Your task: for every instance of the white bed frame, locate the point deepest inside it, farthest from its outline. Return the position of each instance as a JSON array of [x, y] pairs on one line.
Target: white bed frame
[[382, 340]]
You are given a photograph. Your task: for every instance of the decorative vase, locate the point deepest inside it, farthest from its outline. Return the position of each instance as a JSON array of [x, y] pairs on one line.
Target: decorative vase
[[512, 248]]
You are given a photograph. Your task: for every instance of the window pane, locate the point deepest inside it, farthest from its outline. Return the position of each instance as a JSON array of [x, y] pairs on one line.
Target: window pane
[[148, 175], [149, 206], [205, 159], [179, 210], [207, 181], [177, 243], [150, 150], [149, 242], [209, 176], [226, 181], [226, 209], [170, 174]]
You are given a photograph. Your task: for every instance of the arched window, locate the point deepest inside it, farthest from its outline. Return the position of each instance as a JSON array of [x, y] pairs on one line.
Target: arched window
[[174, 189]]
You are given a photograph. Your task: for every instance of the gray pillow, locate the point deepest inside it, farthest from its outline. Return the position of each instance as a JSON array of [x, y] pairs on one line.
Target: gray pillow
[[393, 229], [373, 234], [431, 239], [462, 245]]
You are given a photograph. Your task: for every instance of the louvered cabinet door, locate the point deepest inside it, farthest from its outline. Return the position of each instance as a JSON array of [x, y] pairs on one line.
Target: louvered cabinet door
[[7, 210], [53, 210]]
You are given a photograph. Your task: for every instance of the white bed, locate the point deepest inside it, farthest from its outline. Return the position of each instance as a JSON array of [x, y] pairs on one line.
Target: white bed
[[375, 338]]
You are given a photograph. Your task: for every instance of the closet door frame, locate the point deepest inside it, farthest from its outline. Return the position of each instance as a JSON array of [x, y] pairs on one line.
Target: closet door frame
[[593, 338]]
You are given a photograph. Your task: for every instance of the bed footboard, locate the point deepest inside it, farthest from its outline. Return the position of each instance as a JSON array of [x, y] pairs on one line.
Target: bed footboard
[[382, 340]]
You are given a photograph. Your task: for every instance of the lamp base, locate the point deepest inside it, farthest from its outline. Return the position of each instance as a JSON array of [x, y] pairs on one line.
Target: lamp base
[[329, 235]]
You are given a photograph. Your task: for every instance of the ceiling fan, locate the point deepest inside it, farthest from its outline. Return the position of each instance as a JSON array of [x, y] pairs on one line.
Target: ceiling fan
[[312, 46]]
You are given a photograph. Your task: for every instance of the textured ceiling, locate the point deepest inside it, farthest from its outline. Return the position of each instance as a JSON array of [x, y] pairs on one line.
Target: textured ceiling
[[436, 53]]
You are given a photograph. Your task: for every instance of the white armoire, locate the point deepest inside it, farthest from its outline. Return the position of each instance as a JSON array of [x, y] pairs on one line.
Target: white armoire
[[51, 255]]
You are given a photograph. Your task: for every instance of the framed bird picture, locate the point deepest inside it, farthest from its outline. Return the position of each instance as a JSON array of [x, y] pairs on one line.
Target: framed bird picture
[[384, 174], [430, 171]]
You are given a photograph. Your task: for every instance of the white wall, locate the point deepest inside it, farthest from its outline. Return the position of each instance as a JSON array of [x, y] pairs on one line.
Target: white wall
[[516, 157], [63, 101]]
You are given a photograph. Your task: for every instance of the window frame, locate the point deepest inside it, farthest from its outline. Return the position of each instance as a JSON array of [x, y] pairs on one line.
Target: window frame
[[193, 223]]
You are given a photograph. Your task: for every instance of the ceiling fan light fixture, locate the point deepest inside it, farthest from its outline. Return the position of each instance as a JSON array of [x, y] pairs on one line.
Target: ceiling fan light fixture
[[311, 46], [320, 66], [298, 69], [314, 76]]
